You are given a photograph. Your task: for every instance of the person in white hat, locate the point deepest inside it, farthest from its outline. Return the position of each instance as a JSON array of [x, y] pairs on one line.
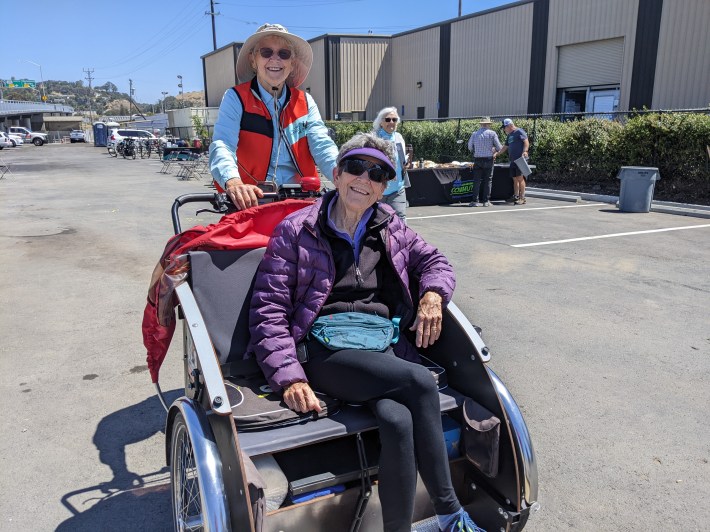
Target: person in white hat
[[268, 129], [484, 144]]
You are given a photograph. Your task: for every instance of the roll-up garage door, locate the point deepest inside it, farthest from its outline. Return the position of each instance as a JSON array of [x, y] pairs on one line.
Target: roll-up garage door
[[590, 63]]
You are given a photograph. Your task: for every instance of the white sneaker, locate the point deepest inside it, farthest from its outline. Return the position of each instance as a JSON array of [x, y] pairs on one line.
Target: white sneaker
[[475, 204], [487, 204]]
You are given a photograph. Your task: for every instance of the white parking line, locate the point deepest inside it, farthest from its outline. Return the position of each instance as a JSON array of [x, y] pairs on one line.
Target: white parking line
[[611, 235], [516, 209]]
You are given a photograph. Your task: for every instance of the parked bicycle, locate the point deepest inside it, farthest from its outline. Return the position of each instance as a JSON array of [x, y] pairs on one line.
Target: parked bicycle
[[145, 147]]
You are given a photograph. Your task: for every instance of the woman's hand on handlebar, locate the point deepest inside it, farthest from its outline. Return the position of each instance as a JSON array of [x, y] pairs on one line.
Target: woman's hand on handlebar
[[429, 319], [299, 397], [243, 195]]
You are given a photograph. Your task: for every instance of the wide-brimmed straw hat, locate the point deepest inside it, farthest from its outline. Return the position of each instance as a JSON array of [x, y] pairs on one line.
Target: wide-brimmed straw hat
[[485, 120], [302, 58]]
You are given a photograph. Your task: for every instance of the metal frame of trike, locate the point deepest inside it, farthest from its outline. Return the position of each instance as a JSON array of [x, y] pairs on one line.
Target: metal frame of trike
[[204, 414]]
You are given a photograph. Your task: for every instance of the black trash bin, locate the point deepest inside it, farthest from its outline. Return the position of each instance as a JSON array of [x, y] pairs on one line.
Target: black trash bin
[[637, 185]]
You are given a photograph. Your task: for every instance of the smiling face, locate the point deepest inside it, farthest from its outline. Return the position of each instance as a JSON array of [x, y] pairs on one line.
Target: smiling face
[[358, 193], [390, 126], [272, 71]]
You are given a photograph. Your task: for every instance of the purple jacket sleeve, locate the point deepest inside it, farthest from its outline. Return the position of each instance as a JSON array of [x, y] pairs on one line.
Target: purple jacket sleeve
[[430, 266], [271, 309]]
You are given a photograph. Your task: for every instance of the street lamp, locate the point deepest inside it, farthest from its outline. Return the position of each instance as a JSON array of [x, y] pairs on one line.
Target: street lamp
[[180, 87], [164, 93], [41, 77]]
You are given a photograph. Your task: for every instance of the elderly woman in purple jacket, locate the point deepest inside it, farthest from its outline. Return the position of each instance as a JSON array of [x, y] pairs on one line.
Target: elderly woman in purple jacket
[[350, 253]]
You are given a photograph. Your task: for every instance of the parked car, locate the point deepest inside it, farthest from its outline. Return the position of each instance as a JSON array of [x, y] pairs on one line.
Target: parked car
[[16, 139], [77, 135], [29, 136], [5, 141], [116, 135]]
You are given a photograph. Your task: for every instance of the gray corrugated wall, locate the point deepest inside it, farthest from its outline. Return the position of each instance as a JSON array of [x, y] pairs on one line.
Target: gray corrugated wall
[[683, 61], [363, 80], [316, 77], [490, 63], [415, 57], [221, 69], [578, 21]]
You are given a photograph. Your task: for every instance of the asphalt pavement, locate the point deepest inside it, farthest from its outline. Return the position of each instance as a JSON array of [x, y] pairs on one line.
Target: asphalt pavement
[[597, 321]]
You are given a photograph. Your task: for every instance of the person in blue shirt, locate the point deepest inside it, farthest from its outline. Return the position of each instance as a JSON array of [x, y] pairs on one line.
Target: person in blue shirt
[[516, 144], [385, 127], [268, 129]]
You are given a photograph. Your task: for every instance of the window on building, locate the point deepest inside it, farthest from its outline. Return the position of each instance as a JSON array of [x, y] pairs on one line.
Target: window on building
[[421, 112], [601, 100]]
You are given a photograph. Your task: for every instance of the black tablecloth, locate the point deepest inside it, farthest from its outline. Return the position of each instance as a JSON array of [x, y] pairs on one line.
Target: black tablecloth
[[436, 186]]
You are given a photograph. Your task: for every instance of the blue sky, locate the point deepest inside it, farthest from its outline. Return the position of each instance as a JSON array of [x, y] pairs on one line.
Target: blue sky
[[151, 42]]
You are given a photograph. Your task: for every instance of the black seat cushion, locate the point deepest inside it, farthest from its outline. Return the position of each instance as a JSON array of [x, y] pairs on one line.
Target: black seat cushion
[[222, 282]]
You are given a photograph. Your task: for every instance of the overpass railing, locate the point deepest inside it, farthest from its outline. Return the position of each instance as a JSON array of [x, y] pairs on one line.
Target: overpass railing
[[11, 107]]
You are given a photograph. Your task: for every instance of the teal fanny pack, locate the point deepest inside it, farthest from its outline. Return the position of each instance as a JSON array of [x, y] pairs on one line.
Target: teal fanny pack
[[356, 330]]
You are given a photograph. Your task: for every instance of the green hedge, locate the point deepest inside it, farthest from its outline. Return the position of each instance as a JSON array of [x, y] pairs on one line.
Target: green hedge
[[580, 151]]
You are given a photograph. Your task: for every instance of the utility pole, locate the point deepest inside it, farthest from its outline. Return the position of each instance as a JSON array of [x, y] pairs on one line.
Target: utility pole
[[130, 100], [90, 71], [180, 87], [212, 14], [164, 93], [459, 8]]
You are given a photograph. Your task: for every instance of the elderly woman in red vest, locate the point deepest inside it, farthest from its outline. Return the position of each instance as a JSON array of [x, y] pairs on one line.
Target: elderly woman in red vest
[[268, 129]]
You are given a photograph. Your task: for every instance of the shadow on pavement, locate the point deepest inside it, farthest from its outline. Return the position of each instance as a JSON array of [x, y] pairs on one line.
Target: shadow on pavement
[[128, 501]]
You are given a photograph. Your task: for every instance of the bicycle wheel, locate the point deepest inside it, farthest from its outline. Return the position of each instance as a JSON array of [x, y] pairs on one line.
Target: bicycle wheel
[[186, 494], [112, 151]]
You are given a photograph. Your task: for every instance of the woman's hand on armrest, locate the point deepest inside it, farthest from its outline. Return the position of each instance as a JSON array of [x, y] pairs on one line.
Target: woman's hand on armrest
[[299, 397], [429, 319]]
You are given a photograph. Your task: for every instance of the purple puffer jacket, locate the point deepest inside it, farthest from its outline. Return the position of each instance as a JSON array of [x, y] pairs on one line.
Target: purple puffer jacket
[[296, 276]]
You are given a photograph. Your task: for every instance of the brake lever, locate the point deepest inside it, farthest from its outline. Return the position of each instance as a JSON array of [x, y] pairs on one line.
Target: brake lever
[[221, 204]]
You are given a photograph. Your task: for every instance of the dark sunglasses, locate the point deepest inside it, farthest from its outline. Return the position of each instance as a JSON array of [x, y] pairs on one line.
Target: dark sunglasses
[[391, 120], [375, 172], [283, 53]]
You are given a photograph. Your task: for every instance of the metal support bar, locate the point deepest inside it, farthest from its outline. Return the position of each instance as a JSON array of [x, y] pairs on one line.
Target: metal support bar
[[365, 485]]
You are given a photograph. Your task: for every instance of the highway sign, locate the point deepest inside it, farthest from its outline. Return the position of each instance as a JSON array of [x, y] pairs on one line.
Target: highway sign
[[18, 83]]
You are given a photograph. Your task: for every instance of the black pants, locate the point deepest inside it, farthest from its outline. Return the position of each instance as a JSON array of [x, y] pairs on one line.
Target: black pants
[[482, 178], [405, 400]]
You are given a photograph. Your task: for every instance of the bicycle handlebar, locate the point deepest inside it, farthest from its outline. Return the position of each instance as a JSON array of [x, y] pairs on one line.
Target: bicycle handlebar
[[222, 204]]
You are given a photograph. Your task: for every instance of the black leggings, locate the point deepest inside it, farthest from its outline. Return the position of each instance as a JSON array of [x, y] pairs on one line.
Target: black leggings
[[405, 400]]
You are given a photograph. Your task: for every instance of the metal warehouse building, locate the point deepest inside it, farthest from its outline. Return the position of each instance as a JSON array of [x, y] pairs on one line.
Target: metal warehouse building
[[532, 56]]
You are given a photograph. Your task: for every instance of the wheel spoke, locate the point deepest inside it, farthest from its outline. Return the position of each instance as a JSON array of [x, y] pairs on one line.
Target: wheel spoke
[[186, 488]]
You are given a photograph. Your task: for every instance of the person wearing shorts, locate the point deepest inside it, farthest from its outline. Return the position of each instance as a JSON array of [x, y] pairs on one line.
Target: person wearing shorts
[[516, 144]]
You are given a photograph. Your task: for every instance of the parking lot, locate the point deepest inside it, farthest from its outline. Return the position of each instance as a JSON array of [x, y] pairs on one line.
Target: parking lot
[[597, 321]]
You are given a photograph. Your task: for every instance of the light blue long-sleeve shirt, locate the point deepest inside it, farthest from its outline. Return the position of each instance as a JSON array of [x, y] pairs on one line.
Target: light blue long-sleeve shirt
[[223, 149], [397, 184]]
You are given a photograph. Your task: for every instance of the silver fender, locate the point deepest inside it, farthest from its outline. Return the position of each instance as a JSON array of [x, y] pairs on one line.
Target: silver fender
[[522, 439], [207, 458]]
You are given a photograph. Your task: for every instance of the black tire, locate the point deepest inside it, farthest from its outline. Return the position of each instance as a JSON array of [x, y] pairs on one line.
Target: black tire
[[14, 144], [72, 141], [37, 141], [185, 490]]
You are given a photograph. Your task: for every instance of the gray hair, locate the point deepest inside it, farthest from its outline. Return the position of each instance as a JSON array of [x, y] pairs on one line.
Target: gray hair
[[367, 140], [377, 122]]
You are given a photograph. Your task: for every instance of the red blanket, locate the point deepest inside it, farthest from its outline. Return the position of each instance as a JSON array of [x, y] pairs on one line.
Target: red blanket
[[246, 229]]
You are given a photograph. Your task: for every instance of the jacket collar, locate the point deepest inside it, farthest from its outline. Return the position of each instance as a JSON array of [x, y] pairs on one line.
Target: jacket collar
[[320, 210]]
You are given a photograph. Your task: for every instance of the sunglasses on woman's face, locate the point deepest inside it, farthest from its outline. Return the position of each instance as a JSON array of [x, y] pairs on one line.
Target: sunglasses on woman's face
[[375, 172], [388, 120], [283, 53]]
